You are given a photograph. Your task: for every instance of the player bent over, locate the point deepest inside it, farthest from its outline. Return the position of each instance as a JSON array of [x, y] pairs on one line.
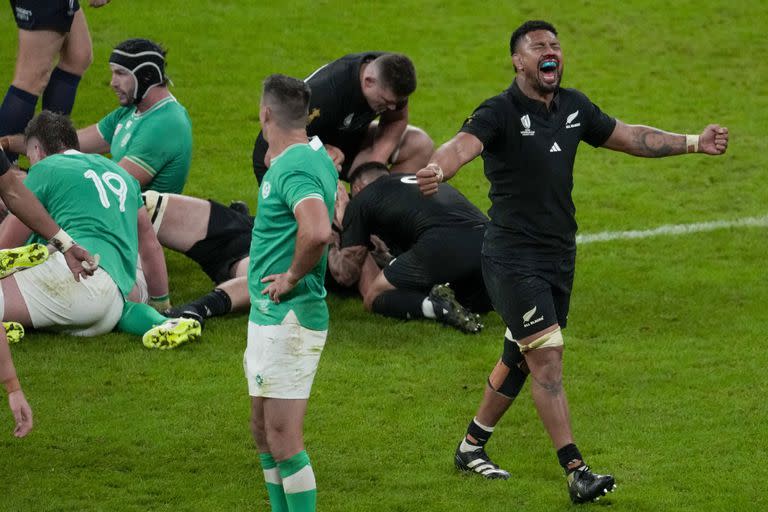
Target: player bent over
[[100, 204], [289, 318]]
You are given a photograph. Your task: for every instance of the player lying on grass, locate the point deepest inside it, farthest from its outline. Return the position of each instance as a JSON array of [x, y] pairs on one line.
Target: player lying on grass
[[216, 237], [436, 241], [100, 204]]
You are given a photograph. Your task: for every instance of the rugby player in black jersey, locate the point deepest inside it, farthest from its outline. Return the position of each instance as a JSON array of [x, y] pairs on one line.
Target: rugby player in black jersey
[[419, 232], [359, 109], [528, 137]]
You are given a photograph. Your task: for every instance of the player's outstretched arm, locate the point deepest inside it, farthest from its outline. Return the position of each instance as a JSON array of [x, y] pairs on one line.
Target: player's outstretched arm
[[447, 160], [646, 141], [22, 413]]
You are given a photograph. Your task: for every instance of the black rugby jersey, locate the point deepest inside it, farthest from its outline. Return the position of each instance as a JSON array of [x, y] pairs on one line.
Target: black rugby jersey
[[528, 158], [338, 112], [393, 208]]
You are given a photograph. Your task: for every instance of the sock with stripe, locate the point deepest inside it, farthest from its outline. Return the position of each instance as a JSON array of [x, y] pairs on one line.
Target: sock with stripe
[[299, 483], [16, 111], [59, 94], [274, 483], [476, 437]]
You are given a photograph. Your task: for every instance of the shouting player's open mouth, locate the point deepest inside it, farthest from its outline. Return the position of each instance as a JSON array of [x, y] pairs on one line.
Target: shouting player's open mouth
[[549, 70]]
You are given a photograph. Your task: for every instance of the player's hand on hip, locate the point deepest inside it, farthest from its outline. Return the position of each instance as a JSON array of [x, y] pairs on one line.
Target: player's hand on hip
[[80, 262], [279, 285], [428, 179], [713, 140], [22, 413]]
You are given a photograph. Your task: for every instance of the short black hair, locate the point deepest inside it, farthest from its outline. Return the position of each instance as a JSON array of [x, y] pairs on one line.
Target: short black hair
[[55, 132], [366, 169], [289, 100], [528, 26], [397, 73]]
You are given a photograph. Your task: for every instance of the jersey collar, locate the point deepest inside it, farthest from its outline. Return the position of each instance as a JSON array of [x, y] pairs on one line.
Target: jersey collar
[[534, 105]]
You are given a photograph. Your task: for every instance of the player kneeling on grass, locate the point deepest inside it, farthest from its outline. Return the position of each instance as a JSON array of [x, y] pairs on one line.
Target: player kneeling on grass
[[289, 318], [100, 205]]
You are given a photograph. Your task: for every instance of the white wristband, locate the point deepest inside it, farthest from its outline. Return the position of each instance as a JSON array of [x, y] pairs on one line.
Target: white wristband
[[62, 241], [691, 143]]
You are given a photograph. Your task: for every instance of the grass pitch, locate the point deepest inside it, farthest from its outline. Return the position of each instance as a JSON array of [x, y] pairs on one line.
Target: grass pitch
[[664, 362]]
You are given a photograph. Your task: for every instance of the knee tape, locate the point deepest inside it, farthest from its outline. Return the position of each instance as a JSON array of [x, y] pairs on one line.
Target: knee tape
[[509, 374], [156, 204], [551, 339]]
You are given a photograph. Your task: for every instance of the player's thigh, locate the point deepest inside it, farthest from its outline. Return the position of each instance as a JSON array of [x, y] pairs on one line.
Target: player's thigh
[[56, 301], [409, 271], [280, 361], [521, 295], [180, 221], [34, 62], [77, 52]]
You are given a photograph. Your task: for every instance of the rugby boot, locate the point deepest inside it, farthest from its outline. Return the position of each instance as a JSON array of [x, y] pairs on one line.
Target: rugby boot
[[478, 462], [18, 258], [585, 486], [14, 332], [172, 333], [449, 312]]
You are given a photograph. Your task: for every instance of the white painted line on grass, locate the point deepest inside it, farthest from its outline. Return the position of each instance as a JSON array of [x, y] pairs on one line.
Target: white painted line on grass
[[673, 229]]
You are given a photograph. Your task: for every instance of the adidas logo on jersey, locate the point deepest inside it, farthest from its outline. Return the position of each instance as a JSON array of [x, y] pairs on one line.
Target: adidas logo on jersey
[[555, 148]]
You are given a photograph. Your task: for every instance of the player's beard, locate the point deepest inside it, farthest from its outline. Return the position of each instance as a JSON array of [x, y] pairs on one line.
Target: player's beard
[[547, 87]]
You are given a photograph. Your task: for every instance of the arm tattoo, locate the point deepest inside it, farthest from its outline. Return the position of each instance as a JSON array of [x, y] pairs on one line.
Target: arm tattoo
[[346, 264], [651, 142]]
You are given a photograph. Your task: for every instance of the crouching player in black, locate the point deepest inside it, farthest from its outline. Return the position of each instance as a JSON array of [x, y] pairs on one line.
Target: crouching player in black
[[436, 240]]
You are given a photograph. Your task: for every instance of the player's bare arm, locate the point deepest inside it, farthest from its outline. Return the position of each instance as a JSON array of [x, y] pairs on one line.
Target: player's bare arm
[[346, 264], [313, 235], [336, 155], [22, 414], [447, 160], [13, 232], [392, 125], [153, 263], [646, 141], [141, 175], [91, 141]]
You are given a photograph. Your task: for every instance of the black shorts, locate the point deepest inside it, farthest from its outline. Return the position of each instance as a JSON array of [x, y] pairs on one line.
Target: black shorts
[[444, 256], [227, 241], [44, 15], [529, 295]]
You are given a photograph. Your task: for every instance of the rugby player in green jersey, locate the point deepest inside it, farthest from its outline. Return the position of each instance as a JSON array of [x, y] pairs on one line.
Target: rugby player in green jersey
[[101, 205], [150, 134], [288, 323]]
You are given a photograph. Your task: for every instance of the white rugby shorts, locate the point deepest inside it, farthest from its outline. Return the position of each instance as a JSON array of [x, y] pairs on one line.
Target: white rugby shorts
[[280, 361], [56, 301]]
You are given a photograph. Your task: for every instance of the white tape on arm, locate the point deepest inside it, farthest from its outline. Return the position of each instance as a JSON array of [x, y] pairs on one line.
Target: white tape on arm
[[62, 241], [691, 143]]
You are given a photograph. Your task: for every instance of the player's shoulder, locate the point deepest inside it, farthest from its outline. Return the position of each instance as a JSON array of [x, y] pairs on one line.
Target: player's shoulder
[[571, 95]]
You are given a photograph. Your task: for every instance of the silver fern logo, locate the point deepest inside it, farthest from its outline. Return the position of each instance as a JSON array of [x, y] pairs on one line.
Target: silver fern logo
[[569, 120]]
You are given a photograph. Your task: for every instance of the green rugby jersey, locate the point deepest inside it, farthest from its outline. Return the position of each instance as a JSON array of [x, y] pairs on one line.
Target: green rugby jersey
[[96, 202], [159, 140], [301, 171]]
